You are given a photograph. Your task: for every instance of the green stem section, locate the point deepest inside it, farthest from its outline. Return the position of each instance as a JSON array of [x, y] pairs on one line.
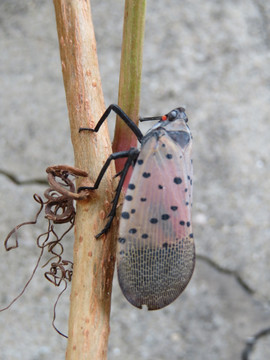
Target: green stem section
[[130, 74]]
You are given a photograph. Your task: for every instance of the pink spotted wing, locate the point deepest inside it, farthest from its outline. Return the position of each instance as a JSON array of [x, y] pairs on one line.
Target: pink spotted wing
[[156, 253]]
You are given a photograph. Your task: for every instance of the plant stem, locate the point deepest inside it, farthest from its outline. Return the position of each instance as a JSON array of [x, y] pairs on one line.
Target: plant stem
[[93, 259], [130, 75]]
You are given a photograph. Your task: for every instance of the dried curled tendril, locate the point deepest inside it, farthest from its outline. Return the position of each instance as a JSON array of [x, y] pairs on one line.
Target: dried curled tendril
[[59, 209]]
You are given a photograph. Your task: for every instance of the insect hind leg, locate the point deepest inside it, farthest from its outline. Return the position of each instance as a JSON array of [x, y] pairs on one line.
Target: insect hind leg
[[131, 155]]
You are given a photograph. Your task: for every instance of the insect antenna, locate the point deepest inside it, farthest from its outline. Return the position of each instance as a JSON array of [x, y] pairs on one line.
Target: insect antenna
[[150, 118]]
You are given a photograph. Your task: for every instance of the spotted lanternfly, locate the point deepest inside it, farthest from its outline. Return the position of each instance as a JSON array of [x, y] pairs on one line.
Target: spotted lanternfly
[[155, 248]]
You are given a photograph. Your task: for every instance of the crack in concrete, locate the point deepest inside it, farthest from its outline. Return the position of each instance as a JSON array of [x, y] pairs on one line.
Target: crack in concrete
[[17, 181], [233, 273], [251, 342]]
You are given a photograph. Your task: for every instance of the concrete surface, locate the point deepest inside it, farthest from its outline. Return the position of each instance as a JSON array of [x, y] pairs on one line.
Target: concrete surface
[[211, 56]]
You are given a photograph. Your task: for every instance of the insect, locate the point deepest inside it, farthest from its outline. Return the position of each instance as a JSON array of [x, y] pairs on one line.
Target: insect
[[155, 247]]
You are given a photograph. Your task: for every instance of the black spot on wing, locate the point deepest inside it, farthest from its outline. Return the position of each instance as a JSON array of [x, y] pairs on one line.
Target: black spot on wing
[[177, 180], [125, 215]]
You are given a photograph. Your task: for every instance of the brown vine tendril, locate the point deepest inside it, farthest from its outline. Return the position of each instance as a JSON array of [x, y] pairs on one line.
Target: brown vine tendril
[[39, 200], [59, 209]]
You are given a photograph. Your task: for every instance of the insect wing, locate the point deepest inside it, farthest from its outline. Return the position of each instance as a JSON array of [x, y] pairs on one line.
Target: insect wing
[[156, 254]]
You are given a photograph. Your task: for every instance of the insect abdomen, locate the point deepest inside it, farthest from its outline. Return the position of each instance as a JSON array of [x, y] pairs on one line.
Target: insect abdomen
[[156, 276]]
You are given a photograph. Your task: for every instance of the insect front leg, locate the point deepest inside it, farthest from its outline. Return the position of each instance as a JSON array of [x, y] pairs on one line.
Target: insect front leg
[[131, 156], [123, 116]]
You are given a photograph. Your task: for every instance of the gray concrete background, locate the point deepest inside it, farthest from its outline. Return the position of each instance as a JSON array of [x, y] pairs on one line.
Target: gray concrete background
[[212, 57]]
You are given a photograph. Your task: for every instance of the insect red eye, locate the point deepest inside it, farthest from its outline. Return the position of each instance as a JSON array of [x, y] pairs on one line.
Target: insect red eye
[[164, 117]]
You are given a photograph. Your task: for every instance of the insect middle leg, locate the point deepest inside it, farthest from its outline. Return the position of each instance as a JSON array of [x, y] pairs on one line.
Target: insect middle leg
[[131, 155]]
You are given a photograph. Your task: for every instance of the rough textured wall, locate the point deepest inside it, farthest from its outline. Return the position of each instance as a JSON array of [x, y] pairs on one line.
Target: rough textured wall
[[210, 56]]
